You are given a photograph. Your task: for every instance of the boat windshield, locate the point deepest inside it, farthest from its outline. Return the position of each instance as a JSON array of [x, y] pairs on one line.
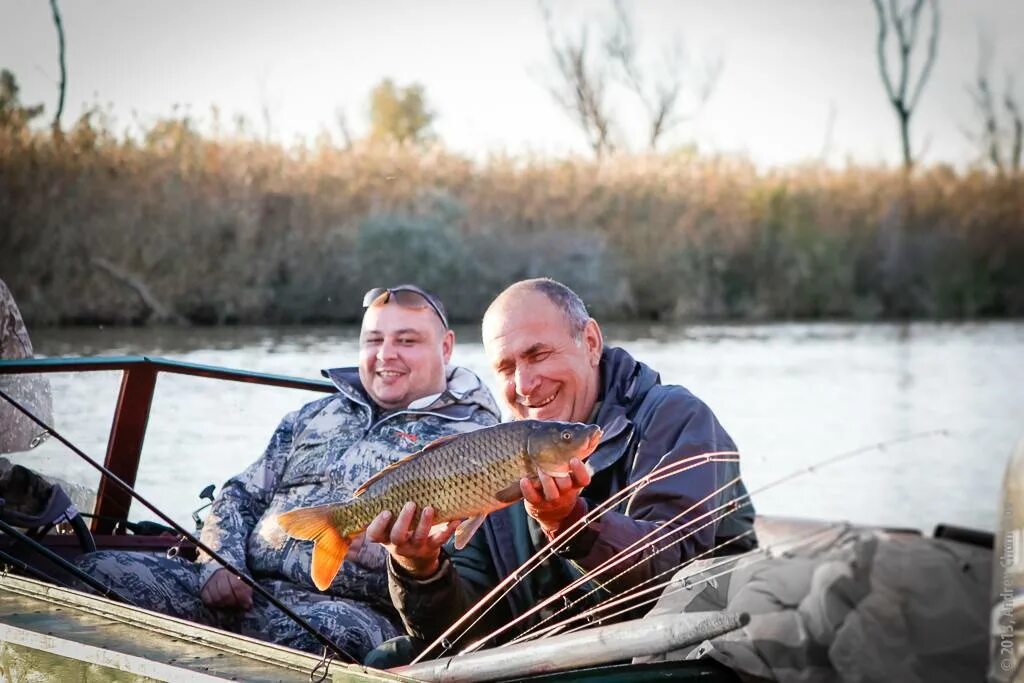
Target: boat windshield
[[127, 413], [180, 457], [81, 411]]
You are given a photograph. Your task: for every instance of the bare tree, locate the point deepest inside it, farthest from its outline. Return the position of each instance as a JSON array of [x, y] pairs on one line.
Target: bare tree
[[581, 87], [904, 97], [981, 95], [586, 74], [661, 98], [341, 118], [998, 143], [1017, 123], [63, 65]]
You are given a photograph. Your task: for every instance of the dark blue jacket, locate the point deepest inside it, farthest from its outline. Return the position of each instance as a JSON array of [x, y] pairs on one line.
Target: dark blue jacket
[[646, 425]]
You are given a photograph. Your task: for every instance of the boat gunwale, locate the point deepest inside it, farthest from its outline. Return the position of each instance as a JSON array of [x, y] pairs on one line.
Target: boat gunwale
[[210, 637]]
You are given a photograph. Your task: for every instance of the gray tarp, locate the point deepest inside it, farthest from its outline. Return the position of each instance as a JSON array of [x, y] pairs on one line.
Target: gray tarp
[[17, 431], [855, 606]]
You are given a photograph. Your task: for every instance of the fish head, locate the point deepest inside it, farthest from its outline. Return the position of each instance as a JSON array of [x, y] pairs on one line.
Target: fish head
[[552, 444]]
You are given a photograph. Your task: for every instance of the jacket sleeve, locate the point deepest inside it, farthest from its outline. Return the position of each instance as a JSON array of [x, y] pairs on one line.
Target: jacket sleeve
[[429, 606], [243, 500], [679, 427]]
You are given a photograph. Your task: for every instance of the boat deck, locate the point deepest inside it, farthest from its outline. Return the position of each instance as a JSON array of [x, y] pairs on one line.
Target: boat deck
[[76, 637]]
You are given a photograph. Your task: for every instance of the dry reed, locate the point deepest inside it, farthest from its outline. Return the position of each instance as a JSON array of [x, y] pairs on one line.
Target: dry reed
[[226, 228]]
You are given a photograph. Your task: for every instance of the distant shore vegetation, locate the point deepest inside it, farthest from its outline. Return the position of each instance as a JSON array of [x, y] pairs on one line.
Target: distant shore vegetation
[[224, 227]]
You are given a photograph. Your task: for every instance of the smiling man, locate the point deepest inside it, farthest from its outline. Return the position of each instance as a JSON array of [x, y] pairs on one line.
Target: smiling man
[[401, 397], [550, 361]]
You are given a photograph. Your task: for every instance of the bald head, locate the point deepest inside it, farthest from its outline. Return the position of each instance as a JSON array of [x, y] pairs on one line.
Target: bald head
[[564, 299]]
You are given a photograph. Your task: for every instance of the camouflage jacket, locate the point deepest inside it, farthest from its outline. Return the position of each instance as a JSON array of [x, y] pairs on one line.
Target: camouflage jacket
[[320, 454]]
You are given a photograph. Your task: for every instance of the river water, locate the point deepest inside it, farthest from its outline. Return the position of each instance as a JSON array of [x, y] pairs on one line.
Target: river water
[[792, 396]]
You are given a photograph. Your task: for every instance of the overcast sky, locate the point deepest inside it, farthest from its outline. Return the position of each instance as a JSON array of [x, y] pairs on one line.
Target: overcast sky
[[790, 67]]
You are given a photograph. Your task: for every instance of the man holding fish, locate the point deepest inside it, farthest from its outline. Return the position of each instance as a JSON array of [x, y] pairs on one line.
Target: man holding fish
[[551, 363], [402, 396]]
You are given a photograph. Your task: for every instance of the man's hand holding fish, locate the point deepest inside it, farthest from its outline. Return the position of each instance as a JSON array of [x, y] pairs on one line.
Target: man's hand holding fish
[[416, 549], [555, 501], [415, 544]]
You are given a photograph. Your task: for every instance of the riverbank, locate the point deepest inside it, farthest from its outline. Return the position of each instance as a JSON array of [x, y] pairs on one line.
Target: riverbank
[[213, 230]]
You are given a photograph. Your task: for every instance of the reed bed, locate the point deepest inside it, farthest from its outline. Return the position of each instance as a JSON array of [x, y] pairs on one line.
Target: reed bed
[[226, 228]]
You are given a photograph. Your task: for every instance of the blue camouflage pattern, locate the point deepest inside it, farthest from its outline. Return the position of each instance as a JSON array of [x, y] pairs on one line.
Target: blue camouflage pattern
[[318, 454], [172, 586]]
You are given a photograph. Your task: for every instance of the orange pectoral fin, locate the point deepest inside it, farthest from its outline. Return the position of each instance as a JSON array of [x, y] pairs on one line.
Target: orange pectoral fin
[[329, 546]]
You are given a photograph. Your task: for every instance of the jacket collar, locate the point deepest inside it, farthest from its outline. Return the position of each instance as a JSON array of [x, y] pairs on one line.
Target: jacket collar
[[625, 382], [465, 392]]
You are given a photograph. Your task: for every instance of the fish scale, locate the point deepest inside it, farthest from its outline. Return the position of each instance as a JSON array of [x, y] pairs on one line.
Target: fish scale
[[478, 464], [462, 477]]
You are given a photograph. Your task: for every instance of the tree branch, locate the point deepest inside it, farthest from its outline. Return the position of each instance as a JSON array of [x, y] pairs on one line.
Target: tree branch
[[883, 65], [933, 50], [160, 312], [581, 89], [904, 47], [1017, 139], [63, 66], [906, 26]]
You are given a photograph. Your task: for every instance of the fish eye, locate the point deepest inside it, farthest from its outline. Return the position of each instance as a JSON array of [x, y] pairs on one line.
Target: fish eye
[[567, 435]]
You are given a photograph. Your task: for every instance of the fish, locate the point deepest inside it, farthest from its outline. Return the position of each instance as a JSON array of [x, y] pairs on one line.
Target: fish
[[462, 476]]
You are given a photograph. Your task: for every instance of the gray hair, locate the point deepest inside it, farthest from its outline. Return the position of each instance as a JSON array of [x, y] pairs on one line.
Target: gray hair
[[567, 301]]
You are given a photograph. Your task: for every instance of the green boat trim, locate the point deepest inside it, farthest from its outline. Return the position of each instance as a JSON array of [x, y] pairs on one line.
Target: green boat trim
[[66, 635]]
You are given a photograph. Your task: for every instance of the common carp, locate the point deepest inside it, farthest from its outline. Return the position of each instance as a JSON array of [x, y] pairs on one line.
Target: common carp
[[463, 476]]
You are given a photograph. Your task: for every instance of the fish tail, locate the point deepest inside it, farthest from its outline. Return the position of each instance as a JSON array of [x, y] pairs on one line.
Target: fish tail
[[329, 544]]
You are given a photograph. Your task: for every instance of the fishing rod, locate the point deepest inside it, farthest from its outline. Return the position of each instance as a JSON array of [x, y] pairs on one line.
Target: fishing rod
[[506, 585], [244, 578], [638, 591], [9, 561], [608, 564], [633, 591], [535, 632], [61, 562], [622, 556], [509, 583], [687, 584], [654, 475], [744, 500]]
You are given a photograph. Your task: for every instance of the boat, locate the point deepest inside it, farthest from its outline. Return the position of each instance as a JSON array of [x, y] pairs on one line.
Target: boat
[[52, 630]]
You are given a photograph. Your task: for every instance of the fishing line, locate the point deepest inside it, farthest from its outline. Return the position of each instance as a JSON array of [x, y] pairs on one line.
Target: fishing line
[[508, 583], [746, 497], [630, 596], [631, 592], [620, 557], [309, 628], [610, 562], [670, 470]]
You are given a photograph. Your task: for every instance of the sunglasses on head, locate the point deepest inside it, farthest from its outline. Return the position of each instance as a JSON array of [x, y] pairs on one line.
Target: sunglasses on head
[[406, 296]]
